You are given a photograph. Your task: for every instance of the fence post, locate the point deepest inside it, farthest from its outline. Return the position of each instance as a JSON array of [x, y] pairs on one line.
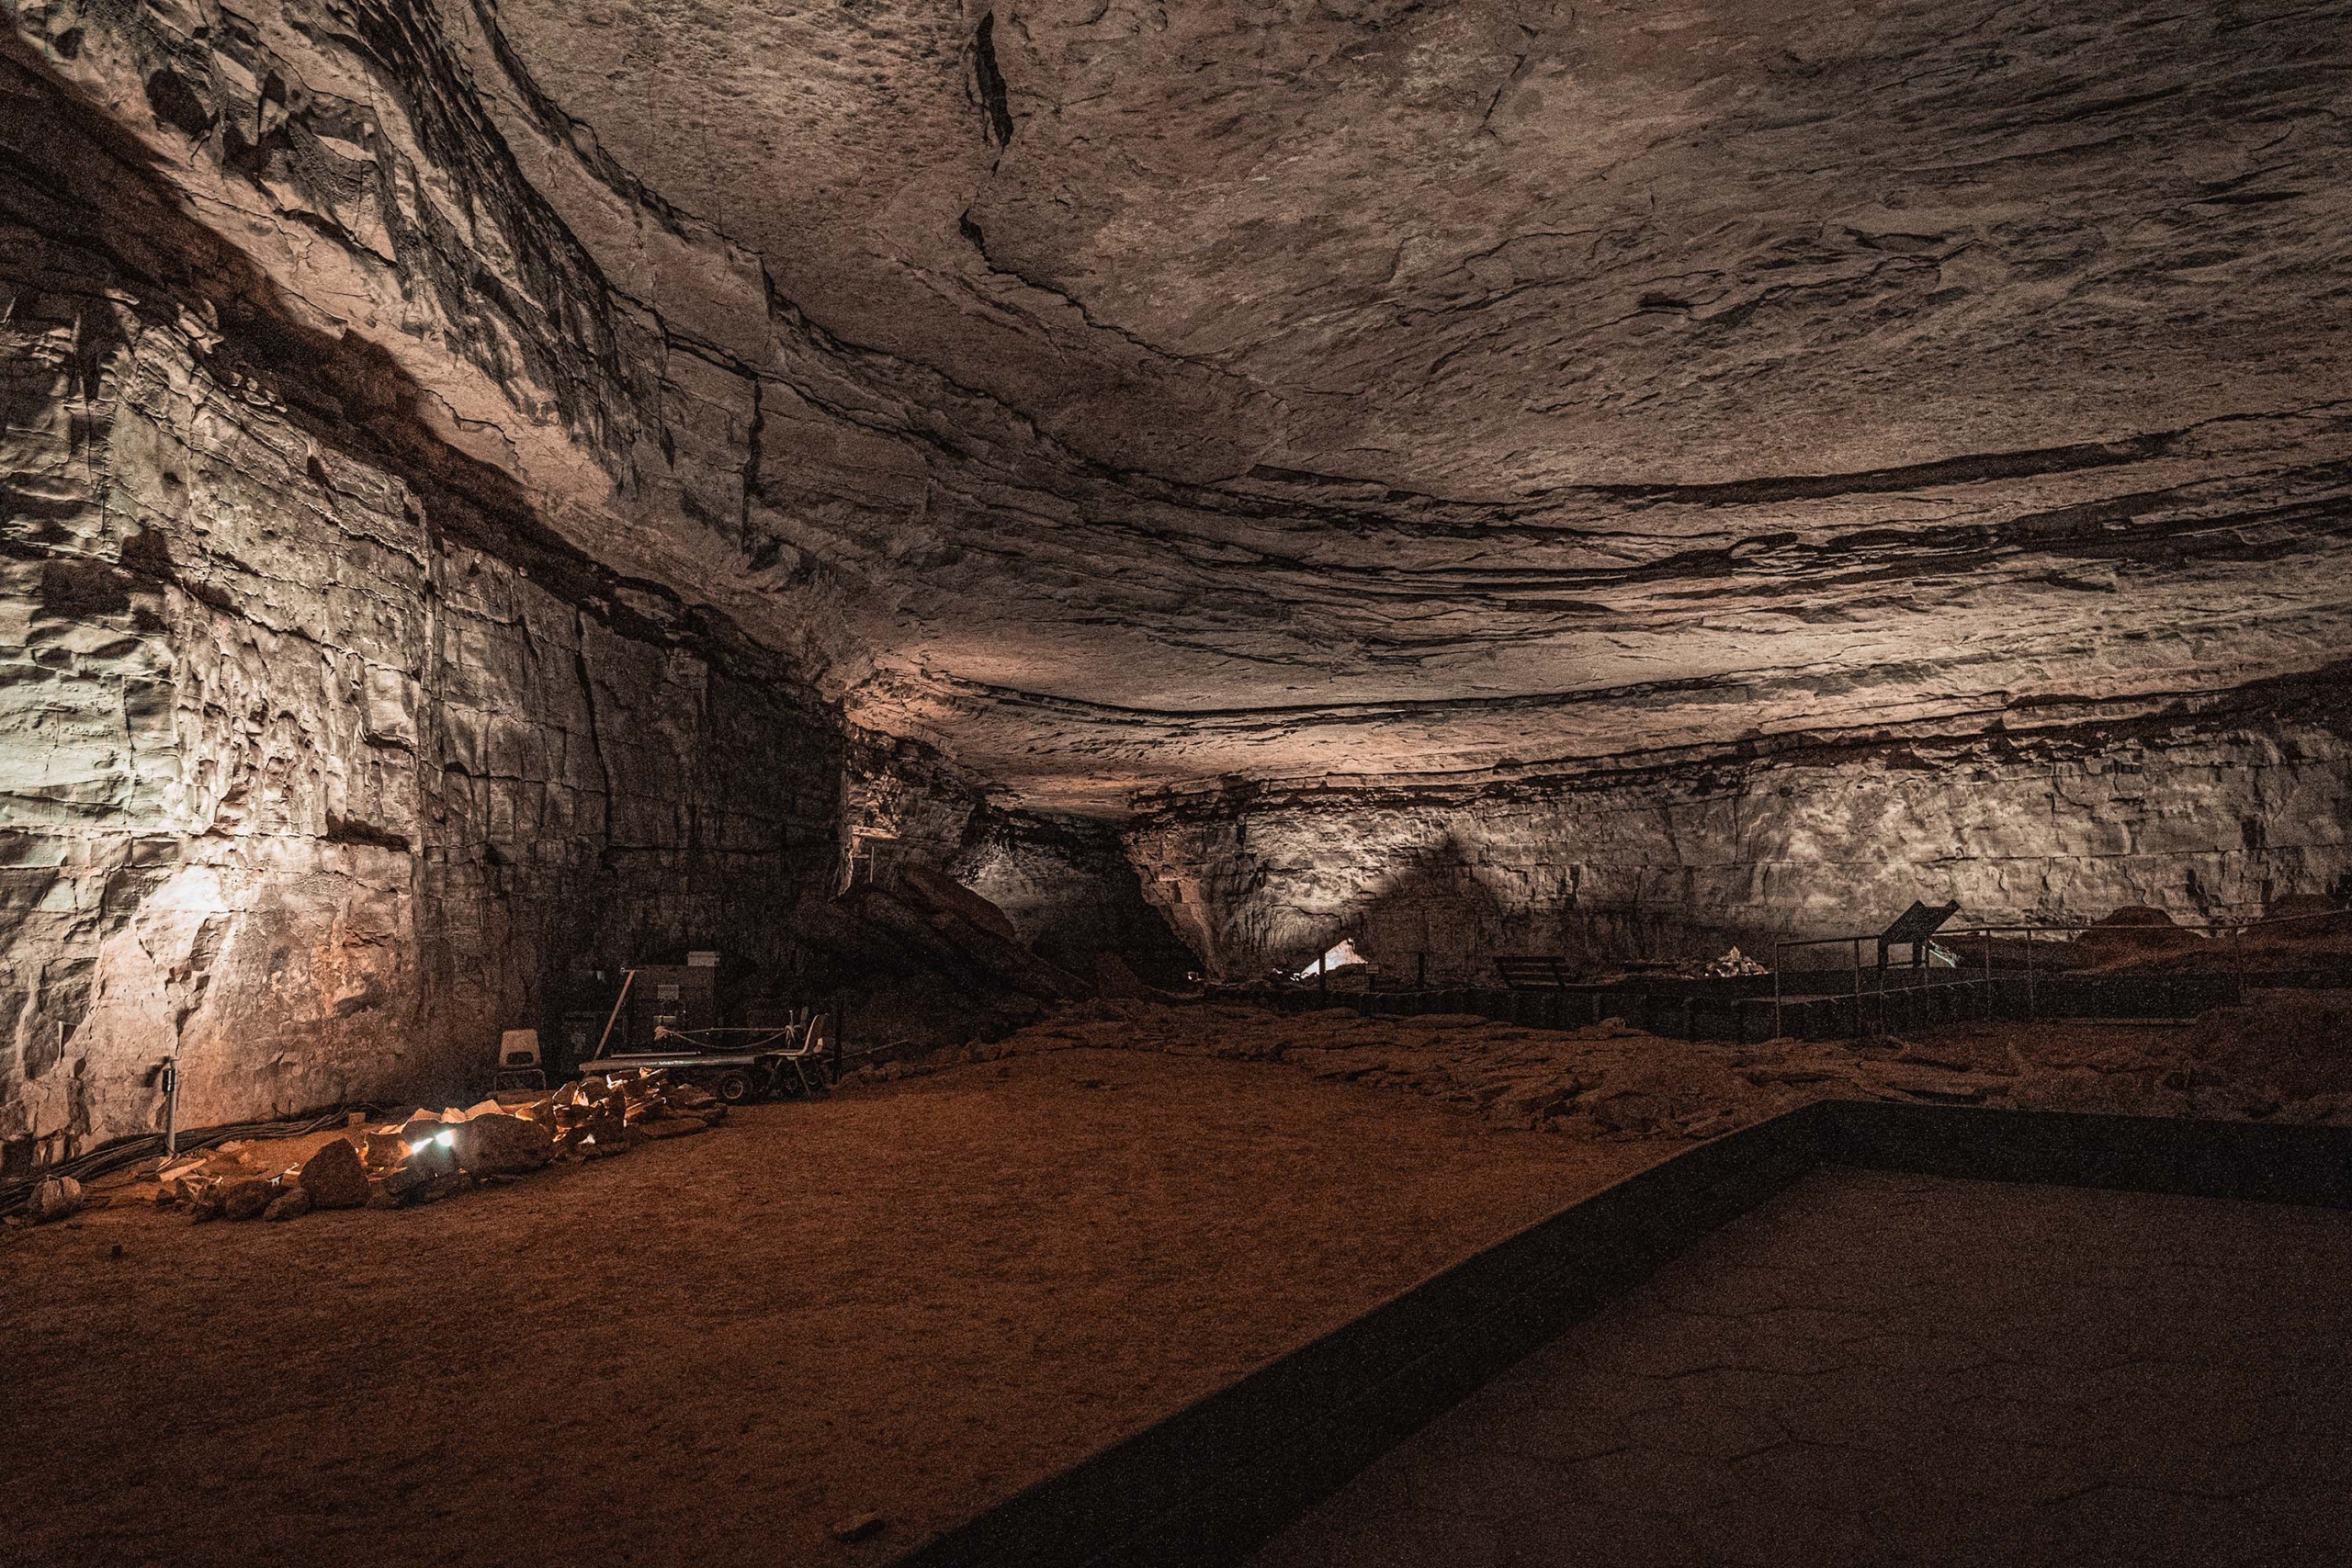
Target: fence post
[[2032, 994], [1858, 988], [1988, 974]]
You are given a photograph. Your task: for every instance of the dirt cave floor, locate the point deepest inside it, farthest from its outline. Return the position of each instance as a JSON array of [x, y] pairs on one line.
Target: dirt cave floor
[[914, 1298], [910, 1301]]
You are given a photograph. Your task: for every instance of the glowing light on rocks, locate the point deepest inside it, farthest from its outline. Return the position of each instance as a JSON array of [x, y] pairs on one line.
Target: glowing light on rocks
[[1338, 957]]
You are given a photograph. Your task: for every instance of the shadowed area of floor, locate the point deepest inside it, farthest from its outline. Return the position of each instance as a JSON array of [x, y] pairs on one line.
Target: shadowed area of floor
[[1883, 1369]]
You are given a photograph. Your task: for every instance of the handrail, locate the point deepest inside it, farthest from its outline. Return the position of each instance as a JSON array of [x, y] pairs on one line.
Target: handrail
[[2225, 930]]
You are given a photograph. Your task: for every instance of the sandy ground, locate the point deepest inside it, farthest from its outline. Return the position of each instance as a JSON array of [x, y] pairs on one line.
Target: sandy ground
[[913, 1299]]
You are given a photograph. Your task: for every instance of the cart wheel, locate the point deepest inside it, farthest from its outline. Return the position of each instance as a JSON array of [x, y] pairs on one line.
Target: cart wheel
[[734, 1086]]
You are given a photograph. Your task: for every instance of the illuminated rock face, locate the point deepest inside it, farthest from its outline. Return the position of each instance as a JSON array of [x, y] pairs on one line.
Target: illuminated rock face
[[1117, 402], [2210, 818], [303, 788], [474, 470]]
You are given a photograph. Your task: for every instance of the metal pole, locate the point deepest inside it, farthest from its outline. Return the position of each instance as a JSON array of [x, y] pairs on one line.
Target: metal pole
[[1988, 974], [628, 978], [2033, 1003], [1780, 953], [1858, 988]]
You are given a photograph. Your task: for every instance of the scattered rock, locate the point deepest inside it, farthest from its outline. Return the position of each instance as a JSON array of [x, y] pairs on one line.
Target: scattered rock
[[432, 1158], [447, 1184], [407, 1161], [245, 1197], [386, 1148], [334, 1176], [422, 1131], [494, 1143], [58, 1197]]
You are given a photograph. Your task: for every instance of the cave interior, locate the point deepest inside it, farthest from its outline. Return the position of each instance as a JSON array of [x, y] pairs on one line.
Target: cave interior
[[965, 508], [496, 494]]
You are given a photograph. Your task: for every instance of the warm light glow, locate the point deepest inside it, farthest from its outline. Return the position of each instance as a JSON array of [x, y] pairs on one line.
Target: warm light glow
[[1338, 957]]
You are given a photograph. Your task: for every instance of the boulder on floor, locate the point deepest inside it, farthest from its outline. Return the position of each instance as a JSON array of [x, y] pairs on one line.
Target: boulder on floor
[[57, 1198], [497, 1145], [335, 1178], [245, 1197]]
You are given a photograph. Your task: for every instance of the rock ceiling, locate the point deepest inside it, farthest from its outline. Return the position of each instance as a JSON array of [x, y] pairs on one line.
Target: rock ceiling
[[1124, 397]]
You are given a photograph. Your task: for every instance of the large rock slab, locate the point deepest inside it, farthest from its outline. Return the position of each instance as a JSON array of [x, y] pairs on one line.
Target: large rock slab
[[502, 1145]]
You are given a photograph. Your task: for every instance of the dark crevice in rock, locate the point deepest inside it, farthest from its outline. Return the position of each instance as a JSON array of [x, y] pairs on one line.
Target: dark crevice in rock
[[176, 105], [1974, 468], [352, 831], [989, 81]]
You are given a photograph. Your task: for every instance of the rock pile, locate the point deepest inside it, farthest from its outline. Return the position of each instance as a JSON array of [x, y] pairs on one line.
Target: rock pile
[[429, 1156], [597, 1117]]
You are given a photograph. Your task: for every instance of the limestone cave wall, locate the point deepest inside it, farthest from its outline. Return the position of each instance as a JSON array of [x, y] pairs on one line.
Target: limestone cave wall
[[1071, 894], [317, 779], [299, 787], [2208, 816], [325, 754]]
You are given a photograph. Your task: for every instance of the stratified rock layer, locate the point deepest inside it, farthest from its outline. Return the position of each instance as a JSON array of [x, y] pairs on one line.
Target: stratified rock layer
[[301, 789], [2213, 816], [1115, 402], [322, 761]]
